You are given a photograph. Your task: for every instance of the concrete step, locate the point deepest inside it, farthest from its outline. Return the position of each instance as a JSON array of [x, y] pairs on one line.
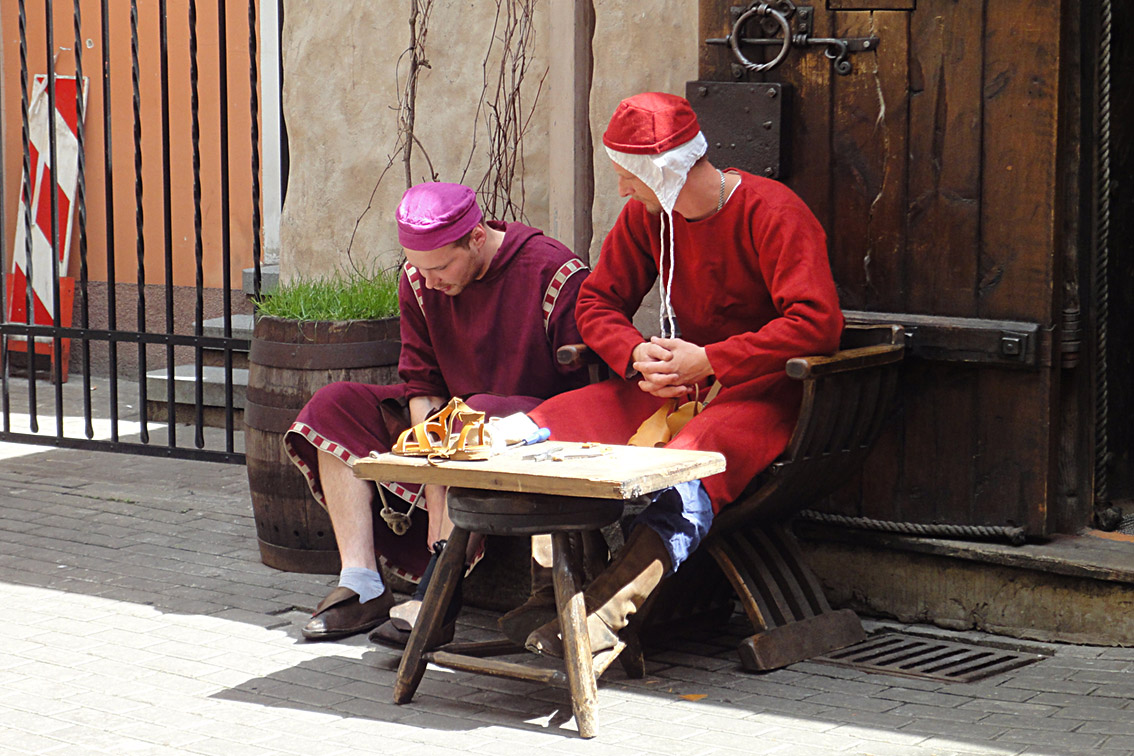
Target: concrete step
[[241, 327], [185, 394], [214, 328], [213, 372], [269, 279]]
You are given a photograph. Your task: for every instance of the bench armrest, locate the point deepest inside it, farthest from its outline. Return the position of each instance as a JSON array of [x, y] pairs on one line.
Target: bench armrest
[[802, 368], [575, 355]]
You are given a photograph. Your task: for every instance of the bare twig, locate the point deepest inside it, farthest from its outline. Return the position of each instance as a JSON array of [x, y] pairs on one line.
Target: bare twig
[[504, 116], [407, 102], [419, 29]]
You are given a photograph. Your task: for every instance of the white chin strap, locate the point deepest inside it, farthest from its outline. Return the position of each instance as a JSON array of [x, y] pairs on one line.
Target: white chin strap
[[664, 175]]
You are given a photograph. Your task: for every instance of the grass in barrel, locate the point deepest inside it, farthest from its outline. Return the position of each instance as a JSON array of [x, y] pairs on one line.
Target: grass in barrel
[[308, 334], [335, 298]]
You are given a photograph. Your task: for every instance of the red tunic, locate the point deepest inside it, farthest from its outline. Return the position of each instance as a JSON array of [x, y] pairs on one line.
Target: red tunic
[[493, 345], [752, 284]]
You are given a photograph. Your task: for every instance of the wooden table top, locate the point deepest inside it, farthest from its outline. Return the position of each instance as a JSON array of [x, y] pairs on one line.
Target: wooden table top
[[613, 472]]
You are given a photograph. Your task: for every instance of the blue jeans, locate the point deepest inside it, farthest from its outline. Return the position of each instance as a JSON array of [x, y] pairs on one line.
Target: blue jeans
[[681, 516]]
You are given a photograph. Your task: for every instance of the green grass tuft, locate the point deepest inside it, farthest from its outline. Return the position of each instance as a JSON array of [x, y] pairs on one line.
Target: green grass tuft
[[338, 297]]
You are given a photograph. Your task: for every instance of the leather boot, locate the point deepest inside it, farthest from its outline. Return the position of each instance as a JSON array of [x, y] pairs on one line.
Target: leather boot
[[539, 608], [619, 591]]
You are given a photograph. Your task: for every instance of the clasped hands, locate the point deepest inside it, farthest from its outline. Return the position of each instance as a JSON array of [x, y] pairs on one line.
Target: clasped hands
[[670, 367]]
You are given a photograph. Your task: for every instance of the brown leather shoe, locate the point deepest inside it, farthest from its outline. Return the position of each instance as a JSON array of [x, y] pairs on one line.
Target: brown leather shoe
[[341, 614], [538, 610], [395, 633], [548, 640]]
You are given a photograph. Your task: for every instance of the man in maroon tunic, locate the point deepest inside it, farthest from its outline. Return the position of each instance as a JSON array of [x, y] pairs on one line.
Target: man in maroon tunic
[[745, 285], [484, 306]]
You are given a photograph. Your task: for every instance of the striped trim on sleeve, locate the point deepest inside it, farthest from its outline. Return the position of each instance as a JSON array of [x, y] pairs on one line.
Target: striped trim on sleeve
[[566, 270], [416, 283]]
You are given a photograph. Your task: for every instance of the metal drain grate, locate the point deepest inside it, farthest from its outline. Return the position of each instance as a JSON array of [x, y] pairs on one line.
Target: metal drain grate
[[929, 658]]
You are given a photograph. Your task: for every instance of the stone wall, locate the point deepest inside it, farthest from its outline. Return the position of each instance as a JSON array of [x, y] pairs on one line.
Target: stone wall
[[1046, 594], [340, 102]]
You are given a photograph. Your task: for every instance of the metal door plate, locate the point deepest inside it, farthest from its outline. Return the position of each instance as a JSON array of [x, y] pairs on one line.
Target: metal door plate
[[745, 124]]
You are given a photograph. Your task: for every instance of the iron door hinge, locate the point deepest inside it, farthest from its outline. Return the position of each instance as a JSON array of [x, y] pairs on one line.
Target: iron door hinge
[[1070, 338]]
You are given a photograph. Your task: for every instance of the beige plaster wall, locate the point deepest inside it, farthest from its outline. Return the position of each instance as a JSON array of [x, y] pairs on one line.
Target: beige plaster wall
[[340, 96], [638, 47], [340, 99]]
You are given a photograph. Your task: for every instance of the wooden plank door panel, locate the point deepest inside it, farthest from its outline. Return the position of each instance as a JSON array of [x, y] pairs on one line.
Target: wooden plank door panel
[[1015, 460], [868, 167], [943, 198], [1021, 77], [809, 142], [933, 168]]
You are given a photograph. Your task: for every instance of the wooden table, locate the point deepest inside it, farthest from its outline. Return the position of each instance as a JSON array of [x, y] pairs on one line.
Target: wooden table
[[614, 472], [544, 488]]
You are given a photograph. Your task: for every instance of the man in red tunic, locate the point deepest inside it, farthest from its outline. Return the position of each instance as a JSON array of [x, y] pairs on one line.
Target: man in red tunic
[[745, 285], [484, 306]]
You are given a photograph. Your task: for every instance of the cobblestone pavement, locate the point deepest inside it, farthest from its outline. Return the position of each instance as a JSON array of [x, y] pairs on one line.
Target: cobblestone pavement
[[141, 621]]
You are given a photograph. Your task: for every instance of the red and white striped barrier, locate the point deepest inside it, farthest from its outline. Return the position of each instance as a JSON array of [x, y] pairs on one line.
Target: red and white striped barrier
[[38, 191]]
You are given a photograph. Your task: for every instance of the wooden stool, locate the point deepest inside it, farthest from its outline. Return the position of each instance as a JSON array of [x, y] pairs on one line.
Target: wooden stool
[[515, 514]]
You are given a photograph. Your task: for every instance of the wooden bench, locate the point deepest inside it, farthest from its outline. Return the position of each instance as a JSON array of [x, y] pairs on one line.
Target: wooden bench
[[847, 398]]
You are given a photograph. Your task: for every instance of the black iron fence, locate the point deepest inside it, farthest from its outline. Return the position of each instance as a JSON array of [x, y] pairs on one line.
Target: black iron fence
[[82, 147]]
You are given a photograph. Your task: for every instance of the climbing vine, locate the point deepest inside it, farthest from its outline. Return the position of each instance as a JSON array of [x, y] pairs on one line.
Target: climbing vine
[[503, 116]]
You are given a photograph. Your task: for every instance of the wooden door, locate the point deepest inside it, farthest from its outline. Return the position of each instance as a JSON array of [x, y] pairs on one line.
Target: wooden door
[[935, 166]]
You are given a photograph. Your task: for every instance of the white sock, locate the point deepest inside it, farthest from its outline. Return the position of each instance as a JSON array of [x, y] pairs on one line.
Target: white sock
[[366, 583]]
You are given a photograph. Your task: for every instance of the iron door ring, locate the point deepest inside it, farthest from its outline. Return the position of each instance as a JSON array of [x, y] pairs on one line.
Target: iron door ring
[[763, 9]]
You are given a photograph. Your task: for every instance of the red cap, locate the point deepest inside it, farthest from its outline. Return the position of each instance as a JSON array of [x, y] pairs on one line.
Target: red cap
[[651, 123]]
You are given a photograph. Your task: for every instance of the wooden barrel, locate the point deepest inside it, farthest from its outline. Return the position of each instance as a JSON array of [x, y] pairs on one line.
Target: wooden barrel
[[287, 363]]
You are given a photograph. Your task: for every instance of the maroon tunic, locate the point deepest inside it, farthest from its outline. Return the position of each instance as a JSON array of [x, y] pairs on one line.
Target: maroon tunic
[[752, 284], [493, 345]]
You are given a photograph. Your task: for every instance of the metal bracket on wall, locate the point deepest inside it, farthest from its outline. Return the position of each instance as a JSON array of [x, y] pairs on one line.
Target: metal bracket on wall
[[1004, 343], [785, 25]]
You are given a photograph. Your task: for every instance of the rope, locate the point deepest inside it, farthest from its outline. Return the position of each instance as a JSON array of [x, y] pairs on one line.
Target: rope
[[666, 319], [1102, 266], [1015, 536]]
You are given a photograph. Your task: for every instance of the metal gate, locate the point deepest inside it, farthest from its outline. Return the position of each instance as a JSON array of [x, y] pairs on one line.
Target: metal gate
[[131, 209]]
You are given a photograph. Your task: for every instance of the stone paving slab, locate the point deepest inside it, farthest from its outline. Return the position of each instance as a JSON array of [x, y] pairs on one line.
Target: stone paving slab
[[141, 621]]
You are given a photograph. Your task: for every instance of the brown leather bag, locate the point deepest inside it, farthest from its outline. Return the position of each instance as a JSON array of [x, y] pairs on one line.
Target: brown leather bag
[[670, 418]]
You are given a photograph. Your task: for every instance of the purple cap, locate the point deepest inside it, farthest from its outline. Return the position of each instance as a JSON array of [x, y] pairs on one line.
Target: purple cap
[[434, 214]]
